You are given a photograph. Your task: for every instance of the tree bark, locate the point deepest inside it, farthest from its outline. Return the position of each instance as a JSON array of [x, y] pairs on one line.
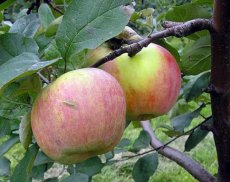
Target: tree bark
[[220, 84]]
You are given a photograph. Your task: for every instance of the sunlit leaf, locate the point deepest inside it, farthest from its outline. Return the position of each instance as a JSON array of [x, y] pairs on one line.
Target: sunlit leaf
[[45, 15], [100, 20], [21, 66], [13, 44], [196, 57], [26, 25]]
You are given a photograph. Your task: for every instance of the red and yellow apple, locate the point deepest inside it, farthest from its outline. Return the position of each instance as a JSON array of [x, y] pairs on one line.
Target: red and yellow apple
[[151, 80], [79, 115]]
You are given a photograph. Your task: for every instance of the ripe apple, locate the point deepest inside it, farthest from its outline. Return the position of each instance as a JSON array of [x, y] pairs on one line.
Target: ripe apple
[[79, 115], [151, 81]]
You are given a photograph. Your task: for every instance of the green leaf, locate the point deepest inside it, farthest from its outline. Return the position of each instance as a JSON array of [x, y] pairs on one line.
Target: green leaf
[[87, 24], [141, 142], [180, 107], [21, 66], [4, 166], [168, 130], [1, 16], [13, 44], [196, 137], [42, 158], [45, 14], [196, 84], [171, 133], [23, 169], [90, 166], [109, 155], [145, 167], [6, 4], [6, 146], [31, 85], [196, 57], [123, 143], [25, 131], [182, 121], [53, 27], [76, 177], [12, 108], [5, 128], [38, 171], [43, 42], [51, 51], [26, 25], [203, 2], [171, 49], [183, 13]]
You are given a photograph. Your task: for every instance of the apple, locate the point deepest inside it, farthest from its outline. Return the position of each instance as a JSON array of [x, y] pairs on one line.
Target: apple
[[80, 115], [151, 81], [94, 55]]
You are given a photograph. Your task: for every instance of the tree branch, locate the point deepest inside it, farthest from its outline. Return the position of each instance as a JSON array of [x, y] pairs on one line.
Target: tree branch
[[180, 30], [43, 78], [180, 158], [169, 24]]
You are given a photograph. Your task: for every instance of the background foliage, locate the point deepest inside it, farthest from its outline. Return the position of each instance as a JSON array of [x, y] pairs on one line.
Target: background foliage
[[46, 42]]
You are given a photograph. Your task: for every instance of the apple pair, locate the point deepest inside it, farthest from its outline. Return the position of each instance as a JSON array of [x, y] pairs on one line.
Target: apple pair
[[83, 113]]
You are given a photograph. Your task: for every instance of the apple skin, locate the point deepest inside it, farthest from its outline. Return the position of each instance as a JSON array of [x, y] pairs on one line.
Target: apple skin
[[151, 81], [96, 54], [79, 115]]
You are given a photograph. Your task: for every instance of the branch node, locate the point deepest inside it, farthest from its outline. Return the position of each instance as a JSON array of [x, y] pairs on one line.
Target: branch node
[[207, 127], [134, 49], [211, 89], [170, 24]]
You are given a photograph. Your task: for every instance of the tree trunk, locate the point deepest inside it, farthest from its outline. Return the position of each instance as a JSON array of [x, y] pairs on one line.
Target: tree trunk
[[220, 86]]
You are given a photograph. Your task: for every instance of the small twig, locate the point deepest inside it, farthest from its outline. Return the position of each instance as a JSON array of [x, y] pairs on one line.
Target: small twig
[[211, 89], [44, 79], [62, 171], [33, 5], [180, 30], [195, 169], [203, 116], [65, 65], [54, 7], [169, 142]]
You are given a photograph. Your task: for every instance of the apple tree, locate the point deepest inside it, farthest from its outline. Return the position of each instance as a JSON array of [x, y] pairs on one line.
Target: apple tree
[[42, 40]]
